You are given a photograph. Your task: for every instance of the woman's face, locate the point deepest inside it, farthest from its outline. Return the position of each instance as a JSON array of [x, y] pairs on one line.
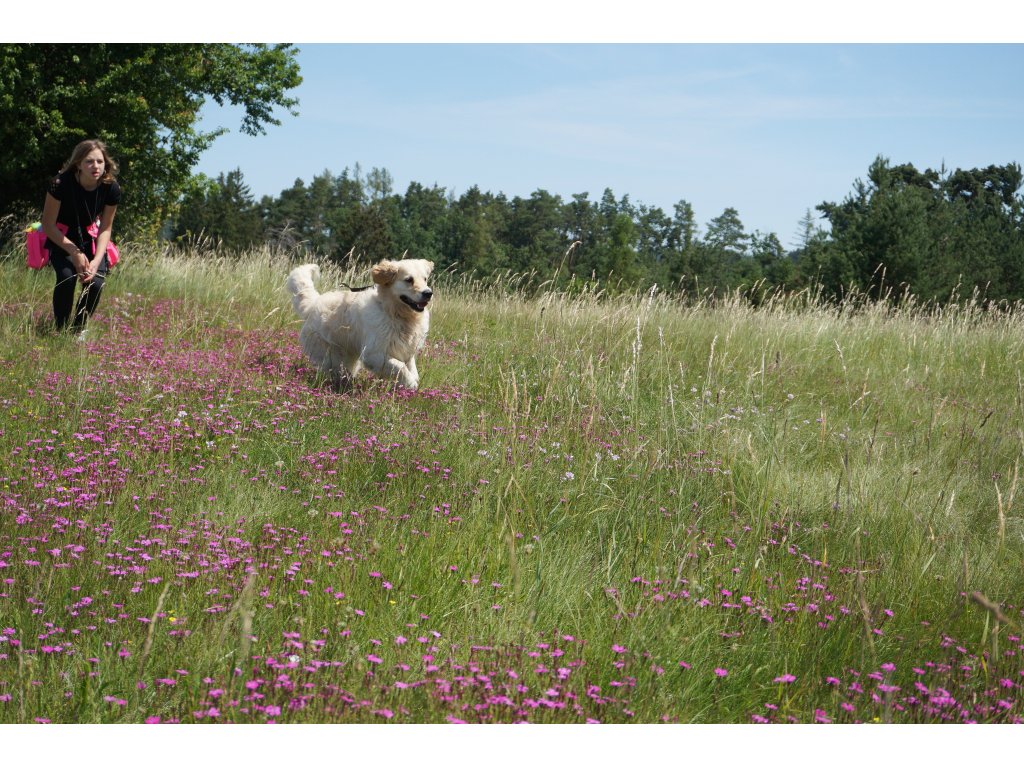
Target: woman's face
[[90, 170]]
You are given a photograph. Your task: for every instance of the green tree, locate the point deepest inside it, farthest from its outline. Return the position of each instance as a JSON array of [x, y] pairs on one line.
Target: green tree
[[930, 232], [582, 226], [343, 203], [615, 250], [374, 237], [143, 99], [655, 234], [621, 266], [772, 260], [223, 211], [988, 231], [423, 219], [808, 230], [536, 236], [475, 232], [683, 243], [721, 261], [323, 217], [725, 233], [285, 217]]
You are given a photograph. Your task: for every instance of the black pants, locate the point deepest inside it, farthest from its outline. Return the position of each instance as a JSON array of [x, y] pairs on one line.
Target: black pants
[[64, 291]]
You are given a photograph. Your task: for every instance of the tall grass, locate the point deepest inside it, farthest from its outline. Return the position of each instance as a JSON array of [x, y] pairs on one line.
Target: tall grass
[[619, 507]]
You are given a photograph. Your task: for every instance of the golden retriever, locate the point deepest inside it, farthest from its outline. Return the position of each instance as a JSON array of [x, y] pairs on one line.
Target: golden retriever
[[381, 327]]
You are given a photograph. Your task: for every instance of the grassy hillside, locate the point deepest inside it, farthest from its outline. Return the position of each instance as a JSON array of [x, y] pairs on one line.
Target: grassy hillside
[[615, 509]]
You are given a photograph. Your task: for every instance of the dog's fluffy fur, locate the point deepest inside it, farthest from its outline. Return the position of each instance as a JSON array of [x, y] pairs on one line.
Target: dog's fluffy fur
[[382, 327]]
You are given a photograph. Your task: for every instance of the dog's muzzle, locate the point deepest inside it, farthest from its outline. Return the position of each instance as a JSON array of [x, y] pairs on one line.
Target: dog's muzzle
[[420, 305]]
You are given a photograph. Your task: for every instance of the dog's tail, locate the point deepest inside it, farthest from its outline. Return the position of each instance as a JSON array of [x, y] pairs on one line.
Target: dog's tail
[[300, 286]]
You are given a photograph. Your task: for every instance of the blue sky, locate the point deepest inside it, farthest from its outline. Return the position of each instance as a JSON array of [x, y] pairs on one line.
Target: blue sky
[[768, 129]]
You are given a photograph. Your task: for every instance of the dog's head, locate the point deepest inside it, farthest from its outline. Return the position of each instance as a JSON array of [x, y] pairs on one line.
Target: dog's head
[[405, 281]]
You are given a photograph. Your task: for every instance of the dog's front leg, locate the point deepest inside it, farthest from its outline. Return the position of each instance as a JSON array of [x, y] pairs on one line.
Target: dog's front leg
[[394, 370], [341, 380]]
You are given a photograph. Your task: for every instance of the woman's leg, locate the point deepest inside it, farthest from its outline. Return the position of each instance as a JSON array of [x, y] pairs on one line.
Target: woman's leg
[[90, 296], [64, 290]]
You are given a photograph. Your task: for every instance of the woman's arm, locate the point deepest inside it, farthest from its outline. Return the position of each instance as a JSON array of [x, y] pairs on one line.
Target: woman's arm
[[51, 207], [103, 239]]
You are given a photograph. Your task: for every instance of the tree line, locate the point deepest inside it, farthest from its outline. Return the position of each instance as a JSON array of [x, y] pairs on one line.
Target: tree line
[[932, 233]]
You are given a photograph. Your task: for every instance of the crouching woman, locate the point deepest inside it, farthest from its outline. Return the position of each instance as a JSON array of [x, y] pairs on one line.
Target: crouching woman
[[78, 216]]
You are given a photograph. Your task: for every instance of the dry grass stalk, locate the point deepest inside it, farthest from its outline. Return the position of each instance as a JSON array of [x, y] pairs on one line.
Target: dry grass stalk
[[993, 608], [148, 645]]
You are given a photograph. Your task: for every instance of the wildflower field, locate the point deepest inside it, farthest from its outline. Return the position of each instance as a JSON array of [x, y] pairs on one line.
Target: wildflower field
[[609, 509]]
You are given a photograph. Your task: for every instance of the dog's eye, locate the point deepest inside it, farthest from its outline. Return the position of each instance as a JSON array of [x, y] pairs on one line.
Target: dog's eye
[[409, 280]]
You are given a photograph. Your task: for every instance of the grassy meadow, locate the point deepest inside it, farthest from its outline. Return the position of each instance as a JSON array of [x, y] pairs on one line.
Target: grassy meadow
[[617, 509]]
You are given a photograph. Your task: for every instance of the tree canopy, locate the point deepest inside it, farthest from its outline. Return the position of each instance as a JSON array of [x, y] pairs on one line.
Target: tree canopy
[[143, 100], [930, 232]]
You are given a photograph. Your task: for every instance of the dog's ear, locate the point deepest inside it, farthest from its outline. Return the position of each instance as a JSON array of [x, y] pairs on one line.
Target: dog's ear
[[385, 273], [430, 267]]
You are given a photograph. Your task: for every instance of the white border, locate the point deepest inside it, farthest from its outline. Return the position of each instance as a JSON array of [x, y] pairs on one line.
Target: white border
[[532, 21]]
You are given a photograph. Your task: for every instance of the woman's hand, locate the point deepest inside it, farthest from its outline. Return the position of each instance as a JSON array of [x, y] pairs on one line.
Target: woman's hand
[[86, 269], [91, 269], [94, 266]]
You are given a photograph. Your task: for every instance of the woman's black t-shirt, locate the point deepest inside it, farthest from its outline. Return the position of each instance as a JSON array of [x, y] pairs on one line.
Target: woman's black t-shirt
[[80, 207]]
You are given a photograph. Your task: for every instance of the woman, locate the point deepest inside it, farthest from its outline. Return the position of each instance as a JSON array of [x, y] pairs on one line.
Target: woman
[[77, 218]]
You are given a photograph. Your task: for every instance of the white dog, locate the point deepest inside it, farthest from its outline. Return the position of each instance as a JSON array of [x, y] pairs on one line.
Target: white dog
[[381, 327]]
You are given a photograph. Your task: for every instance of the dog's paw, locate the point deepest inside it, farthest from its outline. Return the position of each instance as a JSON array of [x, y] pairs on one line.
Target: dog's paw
[[408, 381]]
